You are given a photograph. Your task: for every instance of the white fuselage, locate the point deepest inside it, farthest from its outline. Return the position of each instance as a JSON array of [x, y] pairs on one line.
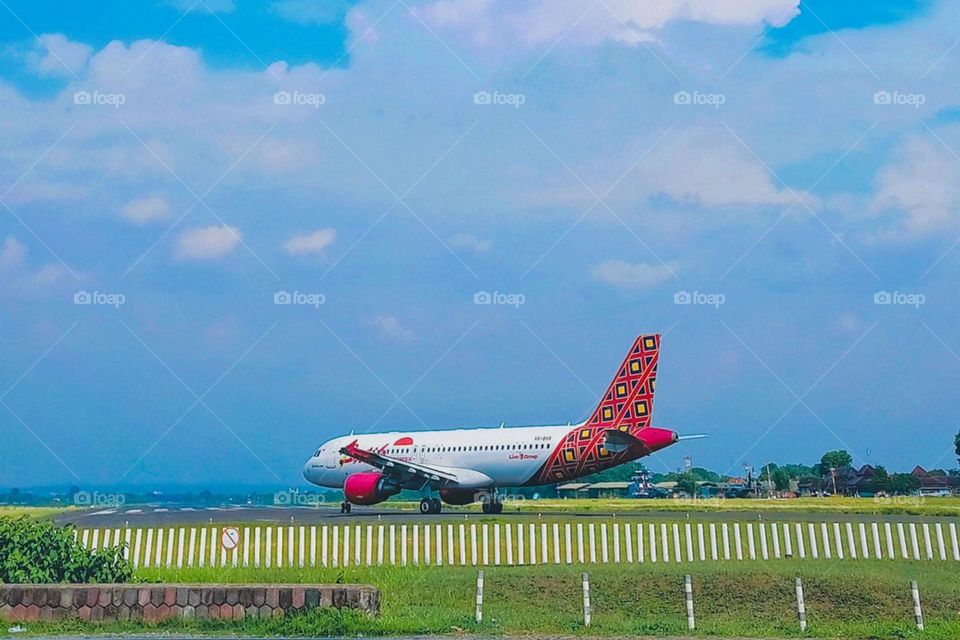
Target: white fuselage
[[481, 458]]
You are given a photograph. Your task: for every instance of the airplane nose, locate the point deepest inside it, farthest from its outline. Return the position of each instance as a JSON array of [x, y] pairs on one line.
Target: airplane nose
[[307, 472]]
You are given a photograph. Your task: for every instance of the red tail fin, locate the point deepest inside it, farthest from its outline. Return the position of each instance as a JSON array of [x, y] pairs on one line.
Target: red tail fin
[[626, 405]]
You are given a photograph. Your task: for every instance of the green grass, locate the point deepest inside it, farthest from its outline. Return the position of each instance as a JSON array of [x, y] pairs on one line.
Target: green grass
[[846, 599], [906, 505], [32, 512]]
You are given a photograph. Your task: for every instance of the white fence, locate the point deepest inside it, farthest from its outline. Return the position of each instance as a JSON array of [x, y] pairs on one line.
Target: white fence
[[526, 543]]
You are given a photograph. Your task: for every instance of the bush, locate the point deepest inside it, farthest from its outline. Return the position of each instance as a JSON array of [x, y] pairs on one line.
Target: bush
[[41, 552]]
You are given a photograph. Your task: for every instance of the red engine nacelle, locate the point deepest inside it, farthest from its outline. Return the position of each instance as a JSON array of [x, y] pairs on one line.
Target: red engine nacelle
[[369, 488], [461, 497]]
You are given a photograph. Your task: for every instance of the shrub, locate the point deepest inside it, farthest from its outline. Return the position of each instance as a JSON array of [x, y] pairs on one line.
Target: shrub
[[41, 552]]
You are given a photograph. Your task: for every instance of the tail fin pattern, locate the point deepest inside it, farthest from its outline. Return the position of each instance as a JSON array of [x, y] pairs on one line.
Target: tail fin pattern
[[626, 405]]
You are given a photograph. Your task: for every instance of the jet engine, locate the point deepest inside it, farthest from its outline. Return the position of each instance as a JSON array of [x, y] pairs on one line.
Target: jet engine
[[369, 488]]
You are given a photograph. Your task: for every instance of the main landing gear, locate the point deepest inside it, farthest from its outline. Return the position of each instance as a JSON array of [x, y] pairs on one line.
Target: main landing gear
[[430, 505], [345, 507], [492, 505]]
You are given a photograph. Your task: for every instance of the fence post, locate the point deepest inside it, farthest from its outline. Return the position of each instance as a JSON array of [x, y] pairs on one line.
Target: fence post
[[479, 596], [473, 544], [324, 549], [917, 612], [556, 543], [543, 542], [688, 596], [953, 541], [586, 599], [593, 544], [136, 548], [604, 552], [801, 607], [334, 546], [379, 544]]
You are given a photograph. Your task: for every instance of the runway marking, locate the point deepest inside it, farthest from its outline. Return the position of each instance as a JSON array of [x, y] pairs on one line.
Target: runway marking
[[105, 512], [135, 511], [160, 510]]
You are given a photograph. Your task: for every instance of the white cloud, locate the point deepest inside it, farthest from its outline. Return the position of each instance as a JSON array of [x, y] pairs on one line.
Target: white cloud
[[708, 168], [922, 186], [12, 254], [313, 242], [145, 210], [18, 275], [207, 243], [542, 22], [59, 56], [630, 275], [389, 327], [470, 242], [310, 12]]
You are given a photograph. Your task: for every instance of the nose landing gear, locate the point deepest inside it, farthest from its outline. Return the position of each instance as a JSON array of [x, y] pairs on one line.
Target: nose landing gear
[[345, 507]]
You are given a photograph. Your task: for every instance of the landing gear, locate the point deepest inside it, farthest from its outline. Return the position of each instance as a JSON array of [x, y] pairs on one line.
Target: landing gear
[[430, 505], [491, 505], [345, 507]]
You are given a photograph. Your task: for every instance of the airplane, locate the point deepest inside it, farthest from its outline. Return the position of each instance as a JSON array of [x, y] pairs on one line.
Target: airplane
[[464, 466]]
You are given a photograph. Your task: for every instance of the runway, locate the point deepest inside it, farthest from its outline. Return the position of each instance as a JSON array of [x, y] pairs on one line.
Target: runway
[[147, 515]]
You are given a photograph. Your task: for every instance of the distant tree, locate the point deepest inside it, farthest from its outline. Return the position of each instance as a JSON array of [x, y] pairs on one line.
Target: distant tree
[[937, 473], [781, 479], [903, 483], [835, 459], [956, 446], [705, 475], [797, 471], [880, 480], [687, 484], [835, 467]]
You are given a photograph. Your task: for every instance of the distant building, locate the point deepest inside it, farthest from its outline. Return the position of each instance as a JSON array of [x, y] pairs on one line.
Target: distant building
[[936, 484], [860, 482]]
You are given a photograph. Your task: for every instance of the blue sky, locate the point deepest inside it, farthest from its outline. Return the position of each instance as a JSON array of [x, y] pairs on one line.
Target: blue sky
[[166, 171]]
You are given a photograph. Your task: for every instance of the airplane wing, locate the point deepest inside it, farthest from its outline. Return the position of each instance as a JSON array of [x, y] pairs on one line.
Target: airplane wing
[[401, 470]]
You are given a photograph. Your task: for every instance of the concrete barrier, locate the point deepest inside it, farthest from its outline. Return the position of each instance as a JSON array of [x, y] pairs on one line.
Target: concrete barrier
[[156, 602]]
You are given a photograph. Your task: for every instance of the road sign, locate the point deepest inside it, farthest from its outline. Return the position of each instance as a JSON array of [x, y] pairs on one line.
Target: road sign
[[230, 538]]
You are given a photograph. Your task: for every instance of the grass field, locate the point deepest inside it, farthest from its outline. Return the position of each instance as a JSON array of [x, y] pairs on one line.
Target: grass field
[[844, 599], [906, 505], [33, 512]]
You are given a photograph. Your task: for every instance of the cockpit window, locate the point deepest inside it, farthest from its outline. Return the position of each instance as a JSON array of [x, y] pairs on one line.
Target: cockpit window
[[318, 452]]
